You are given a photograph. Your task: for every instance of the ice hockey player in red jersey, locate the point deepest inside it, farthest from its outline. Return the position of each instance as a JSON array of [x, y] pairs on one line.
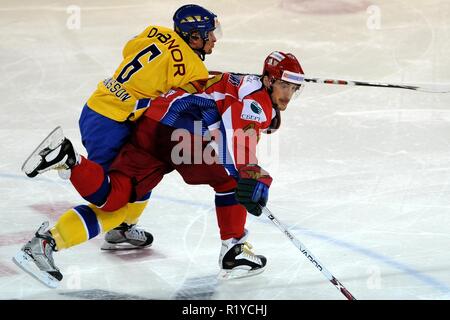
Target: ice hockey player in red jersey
[[208, 136]]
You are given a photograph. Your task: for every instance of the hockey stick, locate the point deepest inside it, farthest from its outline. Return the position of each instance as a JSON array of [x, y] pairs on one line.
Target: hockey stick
[[445, 89], [309, 255], [375, 84]]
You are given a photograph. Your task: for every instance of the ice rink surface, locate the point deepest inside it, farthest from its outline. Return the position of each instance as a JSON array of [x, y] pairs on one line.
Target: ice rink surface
[[361, 175]]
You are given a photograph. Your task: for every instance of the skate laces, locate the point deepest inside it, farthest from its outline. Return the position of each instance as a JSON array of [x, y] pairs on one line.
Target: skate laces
[[45, 235], [248, 254], [135, 233], [47, 239]]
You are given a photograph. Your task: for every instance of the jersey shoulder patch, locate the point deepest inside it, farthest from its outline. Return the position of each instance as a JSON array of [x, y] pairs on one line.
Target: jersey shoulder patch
[[250, 84]]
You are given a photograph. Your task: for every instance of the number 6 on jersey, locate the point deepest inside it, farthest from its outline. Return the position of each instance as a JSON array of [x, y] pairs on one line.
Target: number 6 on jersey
[[134, 65]]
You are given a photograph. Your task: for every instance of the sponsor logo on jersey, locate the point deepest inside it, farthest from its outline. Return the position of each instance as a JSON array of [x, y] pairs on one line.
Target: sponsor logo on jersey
[[252, 111], [255, 107]]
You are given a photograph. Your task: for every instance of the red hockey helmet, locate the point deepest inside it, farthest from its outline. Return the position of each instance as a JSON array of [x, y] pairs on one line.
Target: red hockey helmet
[[283, 66]]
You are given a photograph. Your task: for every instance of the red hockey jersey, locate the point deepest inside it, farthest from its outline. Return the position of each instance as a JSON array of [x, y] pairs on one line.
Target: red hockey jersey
[[231, 111]]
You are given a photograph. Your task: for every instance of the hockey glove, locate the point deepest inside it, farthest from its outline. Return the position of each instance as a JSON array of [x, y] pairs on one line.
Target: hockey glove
[[253, 188]]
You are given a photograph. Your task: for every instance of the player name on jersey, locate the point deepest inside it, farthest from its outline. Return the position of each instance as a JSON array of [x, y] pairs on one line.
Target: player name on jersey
[[177, 55], [117, 89]]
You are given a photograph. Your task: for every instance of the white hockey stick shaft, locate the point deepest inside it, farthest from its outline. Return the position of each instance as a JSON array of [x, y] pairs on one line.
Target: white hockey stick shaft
[[376, 84], [442, 88], [308, 254]]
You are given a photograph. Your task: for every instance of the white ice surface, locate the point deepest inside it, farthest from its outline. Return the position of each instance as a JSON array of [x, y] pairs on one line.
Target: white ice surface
[[361, 175]]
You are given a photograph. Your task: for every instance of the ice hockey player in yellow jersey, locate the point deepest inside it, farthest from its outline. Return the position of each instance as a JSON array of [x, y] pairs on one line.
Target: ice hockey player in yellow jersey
[[154, 61]]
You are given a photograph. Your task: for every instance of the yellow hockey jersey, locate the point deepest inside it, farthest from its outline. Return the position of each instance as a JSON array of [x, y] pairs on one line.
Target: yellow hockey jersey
[[155, 61]]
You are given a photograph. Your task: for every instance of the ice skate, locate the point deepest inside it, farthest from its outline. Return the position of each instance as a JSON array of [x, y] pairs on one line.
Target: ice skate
[[36, 258], [126, 237], [55, 152], [238, 261]]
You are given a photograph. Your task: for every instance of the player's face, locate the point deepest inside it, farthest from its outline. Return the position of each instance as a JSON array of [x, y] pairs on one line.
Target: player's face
[[209, 45], [213, 36], [282, 93], [198, 43]]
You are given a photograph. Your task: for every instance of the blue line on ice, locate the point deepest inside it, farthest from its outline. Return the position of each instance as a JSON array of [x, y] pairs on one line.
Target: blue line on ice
[[379, 257]]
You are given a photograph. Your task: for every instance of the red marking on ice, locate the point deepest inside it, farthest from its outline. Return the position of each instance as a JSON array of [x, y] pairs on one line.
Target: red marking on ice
[[325, 7], [8, 239], [53, 210], [6, 271]]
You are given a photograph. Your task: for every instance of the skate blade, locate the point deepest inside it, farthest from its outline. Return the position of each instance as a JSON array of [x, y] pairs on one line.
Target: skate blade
[[121, 246], [26, 263], [55, 138], [238, 273]]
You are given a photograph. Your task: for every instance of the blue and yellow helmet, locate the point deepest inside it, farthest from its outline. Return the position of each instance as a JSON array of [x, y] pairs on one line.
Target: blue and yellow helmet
[[193, 18]]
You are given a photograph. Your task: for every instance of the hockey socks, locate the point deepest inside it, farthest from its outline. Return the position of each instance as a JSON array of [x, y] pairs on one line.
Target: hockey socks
[[231, 216]]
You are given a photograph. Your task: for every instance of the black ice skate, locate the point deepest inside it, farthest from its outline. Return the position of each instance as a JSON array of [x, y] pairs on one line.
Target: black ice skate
[[36, 258], [237, 260], [55, 152], [126, 237]]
